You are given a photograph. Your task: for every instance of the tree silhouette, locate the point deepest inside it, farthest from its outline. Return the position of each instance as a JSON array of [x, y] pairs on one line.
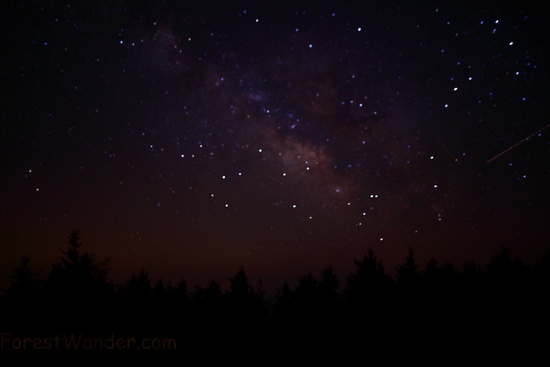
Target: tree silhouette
[[178, 303], [509, 292], [159, 291], [499, 300], [408, 276], [369, 284], [20, 301], [78, 274], [471, 290], [208, 305], [432, 272], [368, 295], [306, 301], [329, 300], [212, 294], [282, 308], [246, 305], [134, 301], [472, 279], [329, 282], [25, 283], [441, 280], [138, 287], [436, 297], [541, 294], [136, 294], [543, 269], [181, 291], [77, 286], [506, 275], [541, 284], [307, 289]]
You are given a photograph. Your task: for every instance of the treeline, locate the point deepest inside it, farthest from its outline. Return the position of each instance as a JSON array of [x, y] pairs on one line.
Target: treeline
[[441, 299]]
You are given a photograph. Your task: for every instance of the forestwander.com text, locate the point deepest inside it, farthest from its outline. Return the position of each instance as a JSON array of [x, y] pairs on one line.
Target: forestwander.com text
[[10, 342]]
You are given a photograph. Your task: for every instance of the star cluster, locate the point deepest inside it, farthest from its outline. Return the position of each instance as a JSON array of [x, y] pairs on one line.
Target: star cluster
[[191, 138]]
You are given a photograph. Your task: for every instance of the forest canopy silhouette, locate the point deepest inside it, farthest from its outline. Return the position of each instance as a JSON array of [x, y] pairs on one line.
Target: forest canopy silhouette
[[503, 298]]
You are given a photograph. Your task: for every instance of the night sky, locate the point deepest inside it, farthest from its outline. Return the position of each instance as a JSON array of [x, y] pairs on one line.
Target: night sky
[[191, 138]]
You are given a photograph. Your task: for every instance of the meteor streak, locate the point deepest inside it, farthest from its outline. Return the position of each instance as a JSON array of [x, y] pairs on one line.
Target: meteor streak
[[518, 143]]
